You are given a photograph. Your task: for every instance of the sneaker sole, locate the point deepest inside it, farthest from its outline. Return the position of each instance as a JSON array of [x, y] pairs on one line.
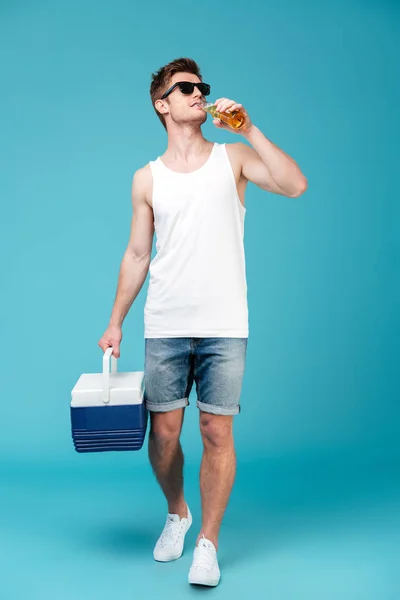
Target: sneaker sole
[[210, 583], [168, 559], [175, 557]]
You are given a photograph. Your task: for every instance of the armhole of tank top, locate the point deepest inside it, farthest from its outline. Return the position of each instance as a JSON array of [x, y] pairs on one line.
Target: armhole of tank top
[[233, 180], [153, 169]]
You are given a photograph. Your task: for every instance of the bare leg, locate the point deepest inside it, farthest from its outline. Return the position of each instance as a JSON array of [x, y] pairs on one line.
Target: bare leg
[[166, 457], [217, 473]]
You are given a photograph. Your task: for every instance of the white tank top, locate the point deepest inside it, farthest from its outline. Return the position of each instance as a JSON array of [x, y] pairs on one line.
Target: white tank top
[[197, 282]]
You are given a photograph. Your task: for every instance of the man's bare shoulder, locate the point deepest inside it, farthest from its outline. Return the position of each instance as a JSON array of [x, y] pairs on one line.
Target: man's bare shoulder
[[143, 175], [142, 183], [237, 149]]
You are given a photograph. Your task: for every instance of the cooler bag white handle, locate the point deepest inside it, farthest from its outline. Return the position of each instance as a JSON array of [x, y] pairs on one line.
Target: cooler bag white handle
[[106, 373]]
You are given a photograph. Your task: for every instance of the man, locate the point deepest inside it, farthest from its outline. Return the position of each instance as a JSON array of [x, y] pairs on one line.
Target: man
[[196, 318]]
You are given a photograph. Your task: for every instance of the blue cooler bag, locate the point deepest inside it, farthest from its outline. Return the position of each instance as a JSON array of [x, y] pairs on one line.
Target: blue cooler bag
[[108, 410]]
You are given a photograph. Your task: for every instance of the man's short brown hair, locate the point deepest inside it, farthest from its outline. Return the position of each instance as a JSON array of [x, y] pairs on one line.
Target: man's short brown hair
[[161, 79]]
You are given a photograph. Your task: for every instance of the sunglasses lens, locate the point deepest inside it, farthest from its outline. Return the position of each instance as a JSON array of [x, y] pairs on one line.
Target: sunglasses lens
[[204, 88], [186, 87]]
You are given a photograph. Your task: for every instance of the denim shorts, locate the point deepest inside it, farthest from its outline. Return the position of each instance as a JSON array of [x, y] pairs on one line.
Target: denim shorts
[[216, 365]]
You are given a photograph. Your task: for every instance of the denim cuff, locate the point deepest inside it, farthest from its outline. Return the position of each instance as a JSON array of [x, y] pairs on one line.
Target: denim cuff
[[166, 406], [217, 410]]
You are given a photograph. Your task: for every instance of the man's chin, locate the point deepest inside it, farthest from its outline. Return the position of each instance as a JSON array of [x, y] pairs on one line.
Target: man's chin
[[194, 119], [199, 118]]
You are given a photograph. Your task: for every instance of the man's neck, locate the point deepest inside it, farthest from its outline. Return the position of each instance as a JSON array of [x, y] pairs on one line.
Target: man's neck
[[186, 143]]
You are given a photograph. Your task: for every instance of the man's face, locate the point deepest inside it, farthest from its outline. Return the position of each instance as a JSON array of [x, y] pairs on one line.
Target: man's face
[[184, 108]]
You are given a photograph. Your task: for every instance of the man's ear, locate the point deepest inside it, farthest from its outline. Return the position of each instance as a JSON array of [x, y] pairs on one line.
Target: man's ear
[[161, 106]]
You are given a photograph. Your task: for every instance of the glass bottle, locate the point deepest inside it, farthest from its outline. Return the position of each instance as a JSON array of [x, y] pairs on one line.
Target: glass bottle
[[234, 119]]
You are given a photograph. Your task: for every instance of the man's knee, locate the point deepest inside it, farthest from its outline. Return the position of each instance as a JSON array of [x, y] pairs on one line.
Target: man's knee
[[216, 430], [165, 427]]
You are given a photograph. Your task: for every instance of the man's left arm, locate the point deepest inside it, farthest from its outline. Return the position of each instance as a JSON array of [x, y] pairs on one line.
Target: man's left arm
[[265, 165]]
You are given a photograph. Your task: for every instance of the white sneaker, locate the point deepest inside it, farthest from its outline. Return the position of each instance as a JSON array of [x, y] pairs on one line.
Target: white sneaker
[[205, 569], [169, 545]]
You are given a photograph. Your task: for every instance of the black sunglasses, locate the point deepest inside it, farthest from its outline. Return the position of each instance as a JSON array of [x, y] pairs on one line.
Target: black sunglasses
[[187, 87]]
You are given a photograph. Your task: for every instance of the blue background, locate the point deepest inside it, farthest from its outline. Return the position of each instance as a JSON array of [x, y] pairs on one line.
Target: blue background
[[315, 508]]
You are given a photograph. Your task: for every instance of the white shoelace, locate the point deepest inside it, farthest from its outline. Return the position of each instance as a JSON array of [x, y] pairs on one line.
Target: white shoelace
[[204, 558], [171, 532]]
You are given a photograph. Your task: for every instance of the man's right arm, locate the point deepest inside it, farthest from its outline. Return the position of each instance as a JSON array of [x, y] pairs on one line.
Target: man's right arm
[[135, 262]]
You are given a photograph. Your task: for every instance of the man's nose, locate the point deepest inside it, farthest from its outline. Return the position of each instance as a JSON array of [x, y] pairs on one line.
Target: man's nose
[[196, 93]]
